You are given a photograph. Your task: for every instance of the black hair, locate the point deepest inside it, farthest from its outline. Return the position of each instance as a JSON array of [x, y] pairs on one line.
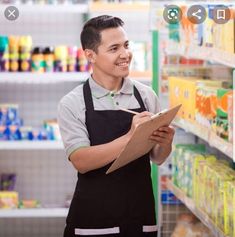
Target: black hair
[[90, 36]]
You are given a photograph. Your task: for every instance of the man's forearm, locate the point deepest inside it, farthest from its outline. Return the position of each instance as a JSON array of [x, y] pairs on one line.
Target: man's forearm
[[94, 157], [159, 153]]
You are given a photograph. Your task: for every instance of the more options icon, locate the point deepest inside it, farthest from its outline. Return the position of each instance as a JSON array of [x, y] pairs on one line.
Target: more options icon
[[172, 14], [221, 14], [196, 14]]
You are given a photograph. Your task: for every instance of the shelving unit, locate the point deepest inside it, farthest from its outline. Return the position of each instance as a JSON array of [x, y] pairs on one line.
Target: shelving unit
[[201, 52], [197, 212], [31, 145], [43, 171], [51, 77], [217, 59], [207, 135], [57, 77], [34, 213]]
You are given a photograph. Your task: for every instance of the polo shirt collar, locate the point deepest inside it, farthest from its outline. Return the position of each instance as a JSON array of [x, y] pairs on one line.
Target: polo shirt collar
[[98, 91]]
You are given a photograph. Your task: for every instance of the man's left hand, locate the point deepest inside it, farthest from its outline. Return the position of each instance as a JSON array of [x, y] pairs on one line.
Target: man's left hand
[[163, 136]]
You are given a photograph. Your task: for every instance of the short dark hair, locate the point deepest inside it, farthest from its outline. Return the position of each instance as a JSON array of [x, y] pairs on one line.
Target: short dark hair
[[90, 36]]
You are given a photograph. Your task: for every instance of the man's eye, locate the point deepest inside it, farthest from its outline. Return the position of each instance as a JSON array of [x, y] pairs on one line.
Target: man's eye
[[127, 46], [113, 49]]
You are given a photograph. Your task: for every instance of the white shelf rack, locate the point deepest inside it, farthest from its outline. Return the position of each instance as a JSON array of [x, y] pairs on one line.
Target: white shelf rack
[[50, 77], [31, 145], [34, 212], [47, 8], [203, 217], [207, 135], [58, 77], [201, 52]]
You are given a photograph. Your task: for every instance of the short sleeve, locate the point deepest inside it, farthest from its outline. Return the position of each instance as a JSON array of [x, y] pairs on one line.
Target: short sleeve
[[72, 128]]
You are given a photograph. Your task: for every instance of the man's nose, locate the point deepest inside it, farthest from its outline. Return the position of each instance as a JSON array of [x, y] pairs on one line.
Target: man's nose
[[125, 53]]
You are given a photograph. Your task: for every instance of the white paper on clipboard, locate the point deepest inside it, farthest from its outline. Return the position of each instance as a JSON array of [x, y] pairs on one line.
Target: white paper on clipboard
[[139, 144]]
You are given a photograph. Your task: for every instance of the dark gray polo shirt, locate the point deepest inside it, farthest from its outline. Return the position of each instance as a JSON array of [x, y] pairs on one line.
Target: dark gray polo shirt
[[71, 109]]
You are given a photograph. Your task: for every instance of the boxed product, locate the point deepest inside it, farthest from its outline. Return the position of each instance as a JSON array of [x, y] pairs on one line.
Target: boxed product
[[222, 112], [206, 105], [229, 208], [8, 200], [223, 175], [230, 118]]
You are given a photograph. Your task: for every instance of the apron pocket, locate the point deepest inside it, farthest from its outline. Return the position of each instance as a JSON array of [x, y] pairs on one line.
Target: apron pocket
[[103, 231]]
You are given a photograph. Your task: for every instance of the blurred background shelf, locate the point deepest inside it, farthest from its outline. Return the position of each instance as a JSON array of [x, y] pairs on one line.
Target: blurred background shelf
[[31, 145], [200, 214], [207, 135], [34, 212]]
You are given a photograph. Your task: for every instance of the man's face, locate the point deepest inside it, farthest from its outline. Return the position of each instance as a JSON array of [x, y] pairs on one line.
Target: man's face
[[113, 56]]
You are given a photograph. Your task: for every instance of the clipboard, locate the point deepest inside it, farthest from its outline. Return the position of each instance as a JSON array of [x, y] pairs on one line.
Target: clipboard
[[139, 144]]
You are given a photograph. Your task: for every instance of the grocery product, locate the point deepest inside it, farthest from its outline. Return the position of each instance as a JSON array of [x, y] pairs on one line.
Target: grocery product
[[4, 54], [25, 48], [37, 60], [8, 200]]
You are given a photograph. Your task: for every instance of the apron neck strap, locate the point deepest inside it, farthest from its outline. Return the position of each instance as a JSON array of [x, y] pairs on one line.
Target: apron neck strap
[[89, 102]]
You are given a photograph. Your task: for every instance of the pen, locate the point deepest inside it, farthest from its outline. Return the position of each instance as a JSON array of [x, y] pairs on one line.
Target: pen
[[129, 111]]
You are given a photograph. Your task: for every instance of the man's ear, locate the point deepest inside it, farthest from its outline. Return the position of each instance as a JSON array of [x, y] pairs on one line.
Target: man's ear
[[90, 55]]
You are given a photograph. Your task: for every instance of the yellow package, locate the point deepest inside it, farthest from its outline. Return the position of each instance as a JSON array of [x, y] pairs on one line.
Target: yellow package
[[8, 200], [223, 175], [196, 184], [229, 208]]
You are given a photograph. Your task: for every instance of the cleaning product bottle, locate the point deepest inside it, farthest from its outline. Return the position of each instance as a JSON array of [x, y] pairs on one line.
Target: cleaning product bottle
[[49, 59], [4, 54], [25, 48], [14, 53], [37, 60]]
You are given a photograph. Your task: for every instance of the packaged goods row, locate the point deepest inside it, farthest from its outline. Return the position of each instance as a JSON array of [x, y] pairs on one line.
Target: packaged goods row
[[208, 181], [209, 33], [17, 53], [206, 102], [12, 126]]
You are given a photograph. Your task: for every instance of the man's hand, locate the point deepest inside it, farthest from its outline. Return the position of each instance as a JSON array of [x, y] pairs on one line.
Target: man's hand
[[138, 119], [163, 136]]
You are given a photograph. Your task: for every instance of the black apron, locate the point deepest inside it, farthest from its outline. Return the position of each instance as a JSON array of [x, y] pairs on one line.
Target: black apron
[[120, 203]]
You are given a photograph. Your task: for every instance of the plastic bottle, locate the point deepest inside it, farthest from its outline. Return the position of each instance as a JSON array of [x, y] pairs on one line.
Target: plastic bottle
[[4, 54], [25, 48], [14, 53], [72, 55], [61, 55], [49, 59], [37, 60], [82, 63]]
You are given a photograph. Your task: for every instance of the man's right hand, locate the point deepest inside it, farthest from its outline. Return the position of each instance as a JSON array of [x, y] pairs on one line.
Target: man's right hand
[[138, 119]]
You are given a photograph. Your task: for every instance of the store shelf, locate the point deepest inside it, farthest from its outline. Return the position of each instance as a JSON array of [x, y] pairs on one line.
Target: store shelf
[[197, 212], [46, 8], [201, 52], [35, 212], [38, 78], [31, 145], [57, 77], [207, 135]]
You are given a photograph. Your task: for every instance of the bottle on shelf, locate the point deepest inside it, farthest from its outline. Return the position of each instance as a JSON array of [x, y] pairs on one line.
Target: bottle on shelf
[[37, 60], [72, 54], [61, 55], [25, 48], [14, 53], [49, 59], [4, 54]]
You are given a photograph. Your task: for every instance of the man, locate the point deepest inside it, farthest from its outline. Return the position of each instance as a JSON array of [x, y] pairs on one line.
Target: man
[[95, 130]]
